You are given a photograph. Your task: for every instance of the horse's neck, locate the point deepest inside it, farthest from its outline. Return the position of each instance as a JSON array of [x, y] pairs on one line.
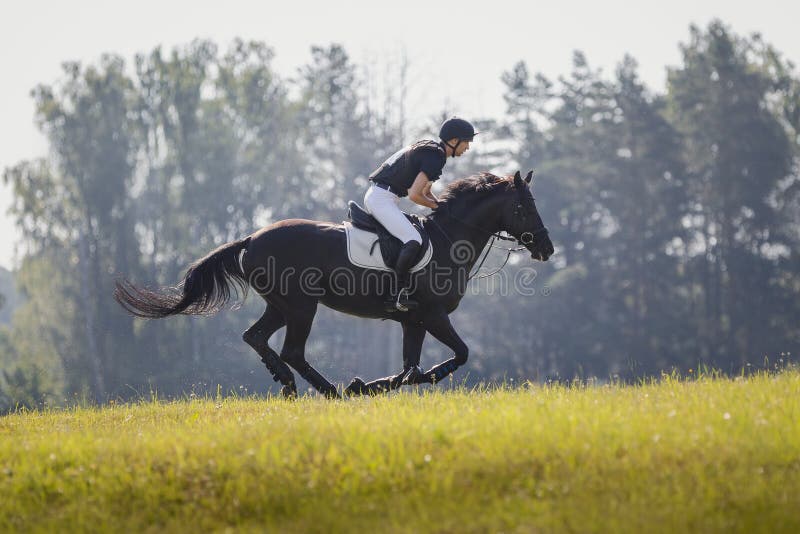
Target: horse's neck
[[474, 226]]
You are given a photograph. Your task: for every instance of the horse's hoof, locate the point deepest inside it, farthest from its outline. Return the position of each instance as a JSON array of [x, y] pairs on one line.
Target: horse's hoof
[[414, 376], [356, 387], [289, 392]]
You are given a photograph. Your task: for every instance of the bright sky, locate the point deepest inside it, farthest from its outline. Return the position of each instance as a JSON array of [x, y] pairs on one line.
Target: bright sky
[[457, 50]]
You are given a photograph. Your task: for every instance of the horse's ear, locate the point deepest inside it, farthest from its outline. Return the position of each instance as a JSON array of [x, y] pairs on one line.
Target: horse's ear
[[518, 179], [529, 177]]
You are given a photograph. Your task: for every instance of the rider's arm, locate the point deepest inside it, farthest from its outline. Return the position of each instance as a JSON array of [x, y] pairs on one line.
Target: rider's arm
[[428, 193], [419, 192]]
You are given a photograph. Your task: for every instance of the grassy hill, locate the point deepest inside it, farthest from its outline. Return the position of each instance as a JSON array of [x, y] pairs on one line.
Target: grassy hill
[[705, 455]]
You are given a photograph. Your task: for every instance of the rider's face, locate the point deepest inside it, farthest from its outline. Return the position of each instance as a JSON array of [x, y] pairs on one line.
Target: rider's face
[[462, 147]]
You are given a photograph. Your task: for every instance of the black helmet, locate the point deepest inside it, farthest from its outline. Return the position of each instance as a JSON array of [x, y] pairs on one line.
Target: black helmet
[[455, 128]]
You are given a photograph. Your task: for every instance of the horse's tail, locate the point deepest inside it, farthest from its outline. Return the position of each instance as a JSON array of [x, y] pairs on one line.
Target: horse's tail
[[205, 289]]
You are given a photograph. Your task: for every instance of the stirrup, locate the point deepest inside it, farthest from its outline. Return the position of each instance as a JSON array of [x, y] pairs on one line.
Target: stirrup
[[408, 305]]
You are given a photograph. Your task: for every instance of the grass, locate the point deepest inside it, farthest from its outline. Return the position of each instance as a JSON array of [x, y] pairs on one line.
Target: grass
[[704, 455]]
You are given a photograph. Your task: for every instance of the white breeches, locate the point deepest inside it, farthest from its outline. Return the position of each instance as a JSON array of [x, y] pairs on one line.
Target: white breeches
[[383, 205]]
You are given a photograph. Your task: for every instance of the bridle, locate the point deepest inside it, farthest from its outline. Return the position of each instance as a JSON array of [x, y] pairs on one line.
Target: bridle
[[525, 238]]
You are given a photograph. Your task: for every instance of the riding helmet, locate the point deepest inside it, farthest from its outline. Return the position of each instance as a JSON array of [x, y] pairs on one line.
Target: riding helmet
[[455, 128]]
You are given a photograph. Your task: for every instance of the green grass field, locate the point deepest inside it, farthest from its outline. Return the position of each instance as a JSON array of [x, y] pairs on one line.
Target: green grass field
[[702, 455]]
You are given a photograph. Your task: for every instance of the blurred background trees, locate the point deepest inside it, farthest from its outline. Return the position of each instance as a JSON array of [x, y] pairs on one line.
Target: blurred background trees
[[675, 215]]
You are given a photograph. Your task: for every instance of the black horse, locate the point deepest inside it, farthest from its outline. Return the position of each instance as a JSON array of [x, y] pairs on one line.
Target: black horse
[[296, 264]]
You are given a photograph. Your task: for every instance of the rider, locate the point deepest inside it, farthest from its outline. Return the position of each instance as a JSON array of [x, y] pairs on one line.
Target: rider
[[411, 171]]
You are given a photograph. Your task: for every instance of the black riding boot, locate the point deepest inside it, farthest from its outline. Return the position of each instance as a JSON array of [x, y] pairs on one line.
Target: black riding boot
[[405, 260]]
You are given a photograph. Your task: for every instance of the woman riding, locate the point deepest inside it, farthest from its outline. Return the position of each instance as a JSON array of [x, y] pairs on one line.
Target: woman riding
[[411, 172]]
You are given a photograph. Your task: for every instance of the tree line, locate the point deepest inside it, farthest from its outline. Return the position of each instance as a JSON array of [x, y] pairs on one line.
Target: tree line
[[675, 215]]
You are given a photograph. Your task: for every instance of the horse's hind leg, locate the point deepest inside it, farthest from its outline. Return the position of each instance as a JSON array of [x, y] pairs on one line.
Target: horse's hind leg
[[299, 318], [257, 336]]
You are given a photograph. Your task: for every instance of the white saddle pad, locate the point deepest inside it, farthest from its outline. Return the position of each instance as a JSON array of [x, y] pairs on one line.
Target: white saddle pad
[[359, 243]]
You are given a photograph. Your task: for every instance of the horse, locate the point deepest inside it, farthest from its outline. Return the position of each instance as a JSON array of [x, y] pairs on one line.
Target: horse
[[297, 264]]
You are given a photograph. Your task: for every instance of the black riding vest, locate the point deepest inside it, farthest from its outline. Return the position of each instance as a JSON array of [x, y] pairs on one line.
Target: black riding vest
[[399, 172]]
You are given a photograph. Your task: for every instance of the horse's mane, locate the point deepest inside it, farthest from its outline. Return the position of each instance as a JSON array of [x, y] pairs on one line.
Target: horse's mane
[[481, 184]]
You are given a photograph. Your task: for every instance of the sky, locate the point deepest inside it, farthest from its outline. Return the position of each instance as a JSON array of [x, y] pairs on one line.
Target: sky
[[456, 50]]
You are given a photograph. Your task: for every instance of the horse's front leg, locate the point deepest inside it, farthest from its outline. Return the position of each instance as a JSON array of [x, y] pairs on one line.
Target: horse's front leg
[[440, 327], [413, 336]]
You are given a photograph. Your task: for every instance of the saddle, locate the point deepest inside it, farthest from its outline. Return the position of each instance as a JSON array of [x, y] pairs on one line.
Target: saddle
[[389, 245]]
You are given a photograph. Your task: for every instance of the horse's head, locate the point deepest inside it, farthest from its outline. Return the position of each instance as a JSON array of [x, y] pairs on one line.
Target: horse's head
[[505, 203], [521, 219]]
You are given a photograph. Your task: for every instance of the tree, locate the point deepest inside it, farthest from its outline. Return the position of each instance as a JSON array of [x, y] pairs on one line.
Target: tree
[[85, 228], [738, 154]]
